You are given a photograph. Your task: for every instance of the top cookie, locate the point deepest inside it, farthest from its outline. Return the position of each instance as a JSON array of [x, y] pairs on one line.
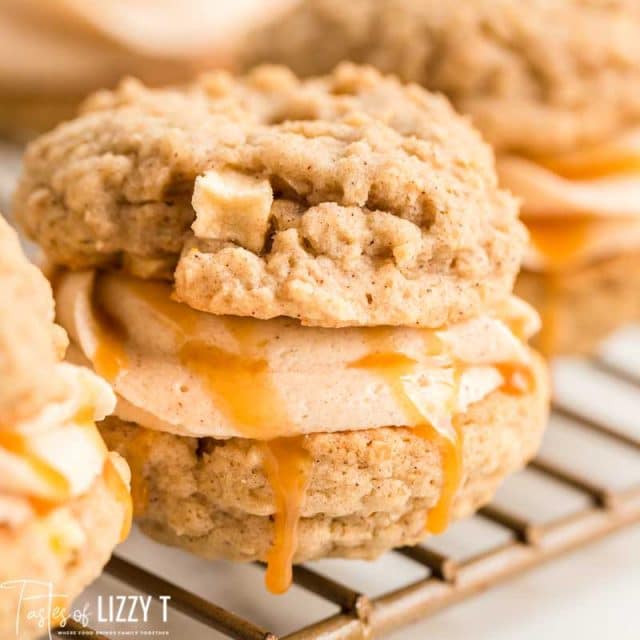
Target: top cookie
[[537, 76], [30, 344], [344, 200]]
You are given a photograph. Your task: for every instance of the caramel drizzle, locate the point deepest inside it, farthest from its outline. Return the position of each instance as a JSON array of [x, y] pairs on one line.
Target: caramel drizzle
[[518, 378], [240, 383], [109, 357], [242, 386], [592, 164], [287, 464], [396, 368], [18, 445], [559, 240]]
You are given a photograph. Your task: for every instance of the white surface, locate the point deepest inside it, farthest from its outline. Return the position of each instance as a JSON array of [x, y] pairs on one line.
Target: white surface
[[593, 594]]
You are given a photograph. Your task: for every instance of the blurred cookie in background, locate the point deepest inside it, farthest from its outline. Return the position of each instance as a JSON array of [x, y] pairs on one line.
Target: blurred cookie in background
[[553, 87], [53, 53]]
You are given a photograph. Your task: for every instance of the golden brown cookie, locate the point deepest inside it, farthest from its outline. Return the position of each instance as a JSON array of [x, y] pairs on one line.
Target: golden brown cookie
[[537, 77], [343, 200]]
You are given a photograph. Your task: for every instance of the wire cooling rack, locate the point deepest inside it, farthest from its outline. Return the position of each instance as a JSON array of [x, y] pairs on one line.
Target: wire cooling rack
[[528, 542]]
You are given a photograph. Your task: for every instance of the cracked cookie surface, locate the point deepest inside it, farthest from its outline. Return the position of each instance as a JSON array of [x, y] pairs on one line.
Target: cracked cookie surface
[[348, 199], [536, 76]]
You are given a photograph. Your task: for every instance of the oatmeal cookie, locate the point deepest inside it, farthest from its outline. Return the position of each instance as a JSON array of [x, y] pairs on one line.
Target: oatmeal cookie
[[537, 76], [348, 199]]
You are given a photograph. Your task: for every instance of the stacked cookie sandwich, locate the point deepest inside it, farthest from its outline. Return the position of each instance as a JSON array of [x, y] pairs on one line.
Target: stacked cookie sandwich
[[553, 86], [64, 500], [301, 293]]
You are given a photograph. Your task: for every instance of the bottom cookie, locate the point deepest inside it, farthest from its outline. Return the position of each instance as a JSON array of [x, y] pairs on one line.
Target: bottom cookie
[[65, 550], [581, 307], [367, 491]]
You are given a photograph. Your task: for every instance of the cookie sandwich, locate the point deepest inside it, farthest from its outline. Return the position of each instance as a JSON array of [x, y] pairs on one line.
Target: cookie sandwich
[[553, 87], [301, 293], [64, 499]]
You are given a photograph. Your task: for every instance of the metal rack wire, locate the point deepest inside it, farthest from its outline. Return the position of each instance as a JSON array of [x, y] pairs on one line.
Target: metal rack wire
[[449, 580]]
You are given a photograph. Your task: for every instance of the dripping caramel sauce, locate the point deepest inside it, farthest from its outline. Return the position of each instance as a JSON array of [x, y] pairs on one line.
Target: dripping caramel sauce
[[18, 445], [592, 164], [560, 240], [109, 357], [287, 464], [240, 382], [396, 368]]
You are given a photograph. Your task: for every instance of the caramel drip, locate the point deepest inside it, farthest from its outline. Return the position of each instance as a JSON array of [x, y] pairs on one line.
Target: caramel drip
[[549, 312], [287, 464], [120, 491], [594, 163], [518, 378], [110, 355], [241, 386], [59, 485], [395, 368], [559, 240], [450, 450]]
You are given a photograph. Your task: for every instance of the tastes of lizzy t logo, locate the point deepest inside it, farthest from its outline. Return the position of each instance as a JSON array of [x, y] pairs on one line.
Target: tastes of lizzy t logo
[[39, 608]]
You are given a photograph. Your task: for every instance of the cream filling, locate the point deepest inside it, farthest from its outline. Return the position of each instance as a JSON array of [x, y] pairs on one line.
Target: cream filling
[[192, 373], [548, 195], [586, 241], [580, 206], [58, 454]]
